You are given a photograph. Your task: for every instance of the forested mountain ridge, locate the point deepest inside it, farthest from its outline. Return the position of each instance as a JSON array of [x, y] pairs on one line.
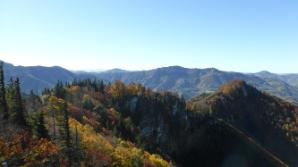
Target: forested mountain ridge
[[269, 120], [90, 123]]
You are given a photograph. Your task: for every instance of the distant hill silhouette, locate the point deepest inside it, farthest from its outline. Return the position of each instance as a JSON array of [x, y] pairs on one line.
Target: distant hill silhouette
[[37, 77], [291, 79]]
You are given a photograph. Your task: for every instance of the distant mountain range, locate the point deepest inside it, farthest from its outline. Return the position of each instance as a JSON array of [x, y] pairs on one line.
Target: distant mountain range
[[37, 78], [291, 79], [192, 82], [184, 81]]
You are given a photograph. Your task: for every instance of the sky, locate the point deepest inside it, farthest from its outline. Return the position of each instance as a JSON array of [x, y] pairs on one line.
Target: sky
[[231, 35]]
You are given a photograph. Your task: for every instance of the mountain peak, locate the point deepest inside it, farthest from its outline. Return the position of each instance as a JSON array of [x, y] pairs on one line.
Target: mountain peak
[[212, 69], [116, 70], [260, 115], [234, 86], [265, 72], [172, 68]]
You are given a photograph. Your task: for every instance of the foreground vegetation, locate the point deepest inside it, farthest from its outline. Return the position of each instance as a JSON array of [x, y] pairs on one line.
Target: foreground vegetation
[[58, 129]]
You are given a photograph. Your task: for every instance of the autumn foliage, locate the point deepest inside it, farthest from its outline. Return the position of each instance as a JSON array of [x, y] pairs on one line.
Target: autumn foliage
[[22, 149]]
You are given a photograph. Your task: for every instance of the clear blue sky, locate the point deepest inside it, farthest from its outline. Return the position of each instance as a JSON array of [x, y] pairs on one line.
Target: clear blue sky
[[237, 35]]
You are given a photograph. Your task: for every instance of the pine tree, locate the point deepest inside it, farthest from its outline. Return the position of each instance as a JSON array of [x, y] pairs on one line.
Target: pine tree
[[101, 86], [33, 102], [46, 91], [65, 134], [41, 130], [3, 103], [16, 109], [59, 90]]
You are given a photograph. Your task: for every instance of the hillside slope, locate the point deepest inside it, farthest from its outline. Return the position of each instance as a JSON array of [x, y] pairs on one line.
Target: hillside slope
[[270, 121], [160, 123]]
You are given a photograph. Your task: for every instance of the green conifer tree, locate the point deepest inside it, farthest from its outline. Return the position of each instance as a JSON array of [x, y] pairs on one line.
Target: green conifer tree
[[16, 109], [41, 130], [65, 133], [3, 103], [59, 90]]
